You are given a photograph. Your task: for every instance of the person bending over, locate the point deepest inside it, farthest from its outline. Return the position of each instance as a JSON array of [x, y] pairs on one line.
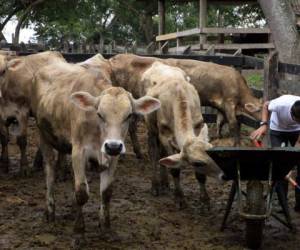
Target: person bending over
[[284, 124]]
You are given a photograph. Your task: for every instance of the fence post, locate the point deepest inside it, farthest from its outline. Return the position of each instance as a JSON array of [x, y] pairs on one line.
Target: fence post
[[271, 76]]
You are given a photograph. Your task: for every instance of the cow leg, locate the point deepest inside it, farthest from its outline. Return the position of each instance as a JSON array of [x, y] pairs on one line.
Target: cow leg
[[49, 158], [38, 160], [105, 197], [204, 198], [220, 124], [81, 187], [4, 143], [232, 122], [134, 139], [153, 155], [178, 193], [61, 167], [22, 143], [164, 178]]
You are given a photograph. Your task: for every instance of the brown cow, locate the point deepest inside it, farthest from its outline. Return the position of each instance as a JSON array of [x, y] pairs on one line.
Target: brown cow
[[175, 127], [17, 75], [94, 128], [219, 86]]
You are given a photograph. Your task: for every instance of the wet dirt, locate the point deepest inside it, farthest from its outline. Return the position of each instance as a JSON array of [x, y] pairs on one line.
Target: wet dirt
[[140, 220]]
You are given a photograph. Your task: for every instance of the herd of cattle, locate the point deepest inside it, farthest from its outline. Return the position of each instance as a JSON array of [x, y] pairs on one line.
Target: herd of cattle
[[86, 109]]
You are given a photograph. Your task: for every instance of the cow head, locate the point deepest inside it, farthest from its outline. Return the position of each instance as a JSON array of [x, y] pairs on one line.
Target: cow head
[[114, 108], [194, 153], [14, 104]]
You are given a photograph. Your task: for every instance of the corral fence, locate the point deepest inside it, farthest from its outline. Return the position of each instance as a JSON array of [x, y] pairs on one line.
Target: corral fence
[[275, 81]]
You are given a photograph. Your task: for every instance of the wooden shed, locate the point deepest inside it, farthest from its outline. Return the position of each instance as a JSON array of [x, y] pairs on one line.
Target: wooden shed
[[260, 37]]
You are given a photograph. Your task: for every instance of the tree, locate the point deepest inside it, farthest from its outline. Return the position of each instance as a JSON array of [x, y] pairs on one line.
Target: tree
[[282, 22], [23, 17]]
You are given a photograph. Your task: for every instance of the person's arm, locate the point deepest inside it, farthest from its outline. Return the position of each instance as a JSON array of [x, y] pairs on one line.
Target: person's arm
[[262, 130]]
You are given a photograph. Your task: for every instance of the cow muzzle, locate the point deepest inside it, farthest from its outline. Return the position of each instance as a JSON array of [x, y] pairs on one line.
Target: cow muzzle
[[113, 147]]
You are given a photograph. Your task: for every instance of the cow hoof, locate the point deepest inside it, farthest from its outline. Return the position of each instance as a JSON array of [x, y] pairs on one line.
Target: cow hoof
[[155, 188], [25, 172], [5, 165], [155, 191], [50, 216], [181, 204], [204, 207], [165, 188], [79, 228], [104, 225], [78, 242], [139, 156], [82, 195]]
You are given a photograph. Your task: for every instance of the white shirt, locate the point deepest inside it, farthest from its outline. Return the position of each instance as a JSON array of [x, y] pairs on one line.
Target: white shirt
[[281, 118]]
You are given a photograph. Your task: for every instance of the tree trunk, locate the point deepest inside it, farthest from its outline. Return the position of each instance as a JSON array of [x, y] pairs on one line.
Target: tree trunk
[[9, 16], [282, 22], [23, 18], [147, 26]]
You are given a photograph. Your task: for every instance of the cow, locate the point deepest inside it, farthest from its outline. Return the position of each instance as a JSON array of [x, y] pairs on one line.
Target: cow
[[15, 83], [174, 130], [218, 86], [79, 112]]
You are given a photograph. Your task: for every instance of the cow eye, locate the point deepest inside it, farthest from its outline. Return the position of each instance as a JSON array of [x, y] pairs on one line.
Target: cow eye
[[101, 117]]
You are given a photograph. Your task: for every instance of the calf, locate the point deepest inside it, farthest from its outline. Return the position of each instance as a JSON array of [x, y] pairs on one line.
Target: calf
[[218, 86], [174, 130], [78, 112], [16, 93]]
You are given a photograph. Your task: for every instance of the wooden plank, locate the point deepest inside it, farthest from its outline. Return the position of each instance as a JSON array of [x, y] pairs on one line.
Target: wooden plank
[[271, 78], [293, 69], [202, 19], [236, 31], [209, 118], [234, 46], [165, 37], [190, 32], [289, 87], [204, 30], [236, 61], [178, 34], [253, 62]]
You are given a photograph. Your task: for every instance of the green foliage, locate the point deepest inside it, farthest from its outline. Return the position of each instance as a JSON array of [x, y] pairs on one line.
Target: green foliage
[[123, 21], [255, 80]]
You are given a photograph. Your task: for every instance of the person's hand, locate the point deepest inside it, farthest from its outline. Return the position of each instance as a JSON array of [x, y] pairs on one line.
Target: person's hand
[[258, 133]]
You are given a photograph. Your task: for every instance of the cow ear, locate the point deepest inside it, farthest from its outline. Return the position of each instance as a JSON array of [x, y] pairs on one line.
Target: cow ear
[[145, 105], [84, 100], [172, 161], [251, 107], [203, 135], [14, 64]]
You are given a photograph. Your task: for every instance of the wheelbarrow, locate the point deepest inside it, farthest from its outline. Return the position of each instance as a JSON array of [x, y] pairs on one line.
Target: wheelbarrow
[[256, 166]]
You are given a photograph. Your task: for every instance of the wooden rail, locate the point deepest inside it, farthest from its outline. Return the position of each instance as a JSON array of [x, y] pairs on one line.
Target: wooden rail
[[198, 31]]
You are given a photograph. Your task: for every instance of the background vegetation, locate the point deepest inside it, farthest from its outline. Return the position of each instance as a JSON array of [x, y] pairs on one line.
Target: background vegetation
[[123, 21]]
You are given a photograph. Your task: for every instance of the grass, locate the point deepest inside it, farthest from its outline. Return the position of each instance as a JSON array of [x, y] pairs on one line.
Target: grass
[[255, 80]]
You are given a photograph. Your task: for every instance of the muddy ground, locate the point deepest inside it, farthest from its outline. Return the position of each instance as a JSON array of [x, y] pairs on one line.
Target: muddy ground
[[140, 220]]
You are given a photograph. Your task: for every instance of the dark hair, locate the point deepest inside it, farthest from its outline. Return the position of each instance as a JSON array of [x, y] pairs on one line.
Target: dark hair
[[295, 110]]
